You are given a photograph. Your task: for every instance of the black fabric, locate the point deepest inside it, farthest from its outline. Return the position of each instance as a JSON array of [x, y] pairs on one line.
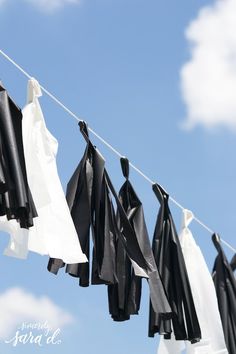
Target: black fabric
[[4, 179], [233, 263], [170, 263], [16, 201], [90, 204], [89, 196], [124, 297], [79, 198], [54, 264], [225, 285]]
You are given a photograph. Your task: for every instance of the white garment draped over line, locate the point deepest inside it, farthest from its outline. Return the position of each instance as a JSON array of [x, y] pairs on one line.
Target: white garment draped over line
[[53, 232], [204, 297]]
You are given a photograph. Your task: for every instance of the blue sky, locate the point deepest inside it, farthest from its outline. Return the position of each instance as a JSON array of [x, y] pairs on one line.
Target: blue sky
[[119, 65]]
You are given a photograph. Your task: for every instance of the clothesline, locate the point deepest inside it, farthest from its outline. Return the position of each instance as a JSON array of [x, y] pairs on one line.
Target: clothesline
[[110, 146]]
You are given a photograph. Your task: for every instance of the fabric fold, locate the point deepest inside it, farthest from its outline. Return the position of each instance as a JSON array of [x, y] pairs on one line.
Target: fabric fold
[[233, 263]]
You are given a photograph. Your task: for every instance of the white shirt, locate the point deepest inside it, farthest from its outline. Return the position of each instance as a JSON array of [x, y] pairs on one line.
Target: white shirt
[[204, 297], [53, 232]]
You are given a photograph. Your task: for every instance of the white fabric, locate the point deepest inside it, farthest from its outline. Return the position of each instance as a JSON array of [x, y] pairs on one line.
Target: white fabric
[[18, 247], [53, 232], [205, 301]]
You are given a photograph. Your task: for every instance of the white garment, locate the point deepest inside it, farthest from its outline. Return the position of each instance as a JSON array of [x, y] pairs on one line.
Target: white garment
[[205, 301], [53, 232], [17, 247]]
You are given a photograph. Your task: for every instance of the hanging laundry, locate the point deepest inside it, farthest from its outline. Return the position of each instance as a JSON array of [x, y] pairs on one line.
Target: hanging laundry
[[225, 285], [15, 197], [89, 197], [124, 297], [53, 232], [204, 297], [170, 263], [90, 205]]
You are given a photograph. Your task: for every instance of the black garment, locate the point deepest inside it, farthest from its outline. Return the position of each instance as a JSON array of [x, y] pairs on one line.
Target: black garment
[[89, 197], [15, 197], [124, 297], [170, 263], [225, 285], [90, 204]]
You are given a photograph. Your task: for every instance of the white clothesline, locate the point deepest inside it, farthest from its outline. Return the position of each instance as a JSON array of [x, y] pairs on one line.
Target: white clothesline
[[110, 146]]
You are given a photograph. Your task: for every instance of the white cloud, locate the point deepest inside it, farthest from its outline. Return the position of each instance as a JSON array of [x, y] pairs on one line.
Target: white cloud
[[208, 79], [18, 306], [51, 5]]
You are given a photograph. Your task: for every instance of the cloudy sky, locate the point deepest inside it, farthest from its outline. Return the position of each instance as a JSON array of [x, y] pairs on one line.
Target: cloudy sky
[[158, 81], [208, 79]]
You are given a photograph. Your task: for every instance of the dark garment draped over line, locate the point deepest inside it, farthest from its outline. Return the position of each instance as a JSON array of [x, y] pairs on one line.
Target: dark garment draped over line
[[124, 296], [225, 285], [170, 263], [15, 197], [89, 196]]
